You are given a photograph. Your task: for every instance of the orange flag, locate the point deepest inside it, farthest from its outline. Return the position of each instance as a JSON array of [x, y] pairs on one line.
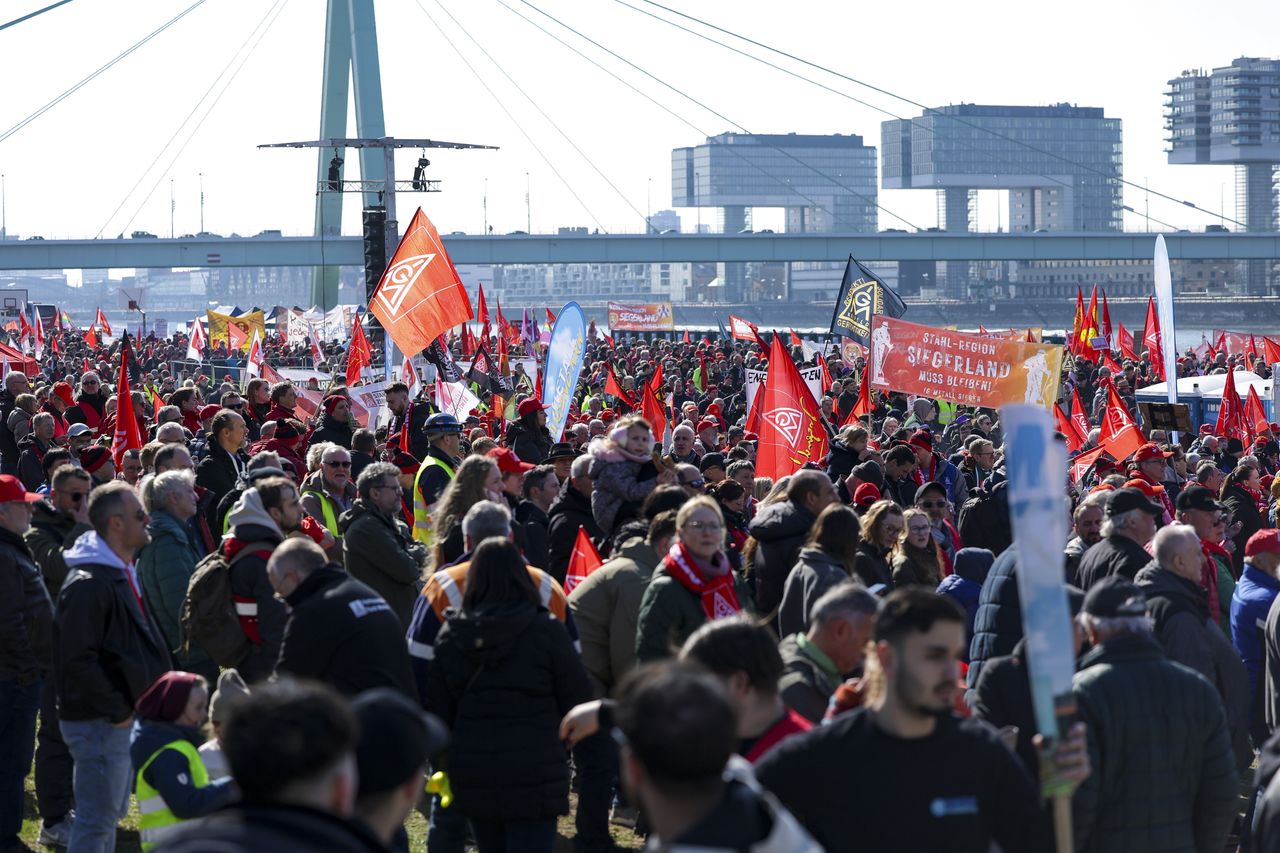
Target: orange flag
[[359, 355], [791, 431], [128, 436], [420, 296], [1255, 415], [584, 560], [1120, 435], [91, 338]]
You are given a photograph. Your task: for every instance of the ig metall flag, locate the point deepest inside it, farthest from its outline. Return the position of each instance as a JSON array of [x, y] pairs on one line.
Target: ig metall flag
[[862, 296], [1037, 468]]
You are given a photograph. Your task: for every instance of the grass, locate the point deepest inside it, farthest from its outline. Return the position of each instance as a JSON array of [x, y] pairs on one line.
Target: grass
[[127, 834]]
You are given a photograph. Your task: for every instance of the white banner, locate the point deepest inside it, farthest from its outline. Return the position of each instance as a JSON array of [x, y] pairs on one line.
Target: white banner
[[812, 377]]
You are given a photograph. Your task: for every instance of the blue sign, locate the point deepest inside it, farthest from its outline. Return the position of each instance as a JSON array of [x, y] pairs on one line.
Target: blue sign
[[563, 366]]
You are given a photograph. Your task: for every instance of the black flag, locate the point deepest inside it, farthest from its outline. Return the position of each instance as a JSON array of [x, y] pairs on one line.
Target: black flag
[[439, 355], [487, 378], [862, 296]]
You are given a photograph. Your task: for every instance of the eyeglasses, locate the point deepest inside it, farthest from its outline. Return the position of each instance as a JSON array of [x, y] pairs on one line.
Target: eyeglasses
[[932, 504], [394, 486], [697, 484], [345, 464], [76, 497], [709, 526]]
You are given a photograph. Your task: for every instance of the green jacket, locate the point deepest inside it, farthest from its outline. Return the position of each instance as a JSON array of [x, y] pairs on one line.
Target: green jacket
[[669, 613], [1164, 777], [51, 531], [606, 608], [164, 568], [379, 551]]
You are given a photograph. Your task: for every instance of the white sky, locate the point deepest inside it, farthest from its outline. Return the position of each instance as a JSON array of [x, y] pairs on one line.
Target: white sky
[[69, 169]]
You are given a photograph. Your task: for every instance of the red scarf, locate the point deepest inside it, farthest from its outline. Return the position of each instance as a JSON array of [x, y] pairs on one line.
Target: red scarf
[[717, 594]]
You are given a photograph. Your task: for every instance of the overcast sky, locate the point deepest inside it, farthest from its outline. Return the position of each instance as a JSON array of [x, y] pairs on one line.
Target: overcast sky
[[69, 169]]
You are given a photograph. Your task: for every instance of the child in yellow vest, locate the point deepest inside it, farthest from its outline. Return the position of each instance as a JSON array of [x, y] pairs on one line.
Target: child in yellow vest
[[171, 782]]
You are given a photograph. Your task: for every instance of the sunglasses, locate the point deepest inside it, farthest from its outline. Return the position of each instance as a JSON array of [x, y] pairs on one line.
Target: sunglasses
[[698, 484], [76, 497]]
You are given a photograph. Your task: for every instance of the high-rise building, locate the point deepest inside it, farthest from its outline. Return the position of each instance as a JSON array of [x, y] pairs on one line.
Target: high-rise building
[[1231, 116], [824, 183]]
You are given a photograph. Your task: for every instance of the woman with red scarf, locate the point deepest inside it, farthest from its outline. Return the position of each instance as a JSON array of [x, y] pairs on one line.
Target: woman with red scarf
[[694, 585]]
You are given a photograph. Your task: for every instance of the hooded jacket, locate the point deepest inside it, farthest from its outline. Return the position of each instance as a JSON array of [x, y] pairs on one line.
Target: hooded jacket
[[997, 627], [51, 532], [343, 633], [964, 585], [619, 483], [815, 572], [108, 651], [31, 451], [779, 530], [503, 677], [332, 430], [262, 615], [378, 550]]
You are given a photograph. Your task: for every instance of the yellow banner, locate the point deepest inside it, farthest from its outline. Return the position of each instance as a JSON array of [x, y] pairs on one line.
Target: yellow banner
[[246, 323]]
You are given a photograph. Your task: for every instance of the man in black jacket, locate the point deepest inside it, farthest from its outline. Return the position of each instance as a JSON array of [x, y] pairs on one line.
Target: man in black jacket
[[293, 745], [219, 471], [339, 631], [416, 413], [108, 652], [1130, 522], [538, 489], [780, 529], [26, 652], [570, 512]]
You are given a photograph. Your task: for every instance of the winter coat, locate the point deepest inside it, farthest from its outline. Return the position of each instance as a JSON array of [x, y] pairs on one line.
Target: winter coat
[[8, 441], [871, 565], [998, 626], [808, 677], [1180, 610], [313, 504], [333, 430], [262, 615], [31, 462], [616, 484], [1074, 552], [1002, 697], [343, 633], [532, 522], [1250, 605], [1163, 773], [841, 460], [1244, 509], [913, 568], [1111, 555], [569, 513], [164, 569], [26, 613], [815, 572], [218, 472], [606, 609], [780, 530], [107, 650], [983, 520], [170, 773], [669, 613], [51, 532], [531, 442], [379, 551], [746, 820], [1264, 832], [276, 827], [964, 586], [503, 677]]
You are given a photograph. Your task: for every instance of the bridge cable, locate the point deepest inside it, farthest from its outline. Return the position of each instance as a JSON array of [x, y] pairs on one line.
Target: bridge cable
[[75, 88], [930, 110], [543, 113], [31, 15], [182, 124], [873, 201], [480, 79]]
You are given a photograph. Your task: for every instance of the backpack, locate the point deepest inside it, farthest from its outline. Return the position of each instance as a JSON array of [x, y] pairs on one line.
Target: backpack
[[209, 619]]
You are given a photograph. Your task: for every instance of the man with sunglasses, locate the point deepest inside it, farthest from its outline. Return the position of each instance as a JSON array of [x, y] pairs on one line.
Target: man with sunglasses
[[91, 403], [329, 492]]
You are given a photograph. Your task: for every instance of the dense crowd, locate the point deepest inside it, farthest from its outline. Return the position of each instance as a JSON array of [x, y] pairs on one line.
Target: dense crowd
[[282, 631]]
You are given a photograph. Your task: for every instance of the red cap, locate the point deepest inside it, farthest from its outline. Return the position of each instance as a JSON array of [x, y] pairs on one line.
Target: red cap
[[508, 462], [922, 439], [866, 494], [1150, 451], [209, 411], [93, 457], [1206, 429], [1262, 542], [707, 423], [1274, 427], [530, 405], [11, 490], [1144, 487], [63, 390]]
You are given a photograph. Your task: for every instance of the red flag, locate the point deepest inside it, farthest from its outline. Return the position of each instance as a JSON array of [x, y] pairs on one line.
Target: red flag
[[101, 322], [686, 339], [1078, 413], [483, 310], [359, 355], [827, 379], [53, 345], [1120, 435], [1031, 339], [551, 318], [91, 338], [1255, 415], [795, 339], [1110, 363], [863, 406], [419, 295], [1068, 427], [236, 336], [613, 388], [609, 339], [468, 342], [1151, 339], [743, 330], [1077, 324], [1252, 351], [1270, 350], [128, 436], [651, 406], [1231, 421], [1090, 330], [584, 560], [1082, 463], [791, 431], [24, 328], [1105, 327], [1124, 343]]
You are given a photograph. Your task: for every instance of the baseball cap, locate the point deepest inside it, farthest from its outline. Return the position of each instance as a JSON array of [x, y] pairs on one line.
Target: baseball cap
[[1127, 499], [1198, 497], [529, 405], [12, 490], [508, 462], [866, 494], [1263, 542], [209, 411], [707, 423], [1150, 451], [396, 739], [77, 430], [711, 460], [1115, 596]]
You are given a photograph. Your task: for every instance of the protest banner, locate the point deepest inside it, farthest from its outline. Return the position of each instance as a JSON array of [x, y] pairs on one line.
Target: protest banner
[[641, 317], [564, 363], [960, 368], [812, 377], [220, 327]]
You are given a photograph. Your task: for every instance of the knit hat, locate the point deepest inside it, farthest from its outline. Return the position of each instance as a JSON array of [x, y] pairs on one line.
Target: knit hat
[[231, 691], [869, 472], [406, 462], [63, 390], [396, 739], [286, 430], [711, 460], [331, 402], [866, 494], [166, 698], [94, 457]]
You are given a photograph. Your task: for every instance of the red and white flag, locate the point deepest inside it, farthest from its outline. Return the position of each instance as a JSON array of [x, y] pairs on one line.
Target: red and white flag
[[584, 560], [790, 423], [743, 330], [197, 342], [1256, 416], [39, 336], [359, 355], [101, 322], [1120, 435], [408, 375], [455, 398], [253, 363], [1231, 422], [313, 341]]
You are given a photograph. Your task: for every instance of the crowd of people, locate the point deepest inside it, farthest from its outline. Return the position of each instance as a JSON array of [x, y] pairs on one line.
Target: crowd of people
[[278, 631]]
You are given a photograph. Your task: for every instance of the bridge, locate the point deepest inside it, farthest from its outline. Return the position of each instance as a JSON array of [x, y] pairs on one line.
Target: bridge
[[640, 248]]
